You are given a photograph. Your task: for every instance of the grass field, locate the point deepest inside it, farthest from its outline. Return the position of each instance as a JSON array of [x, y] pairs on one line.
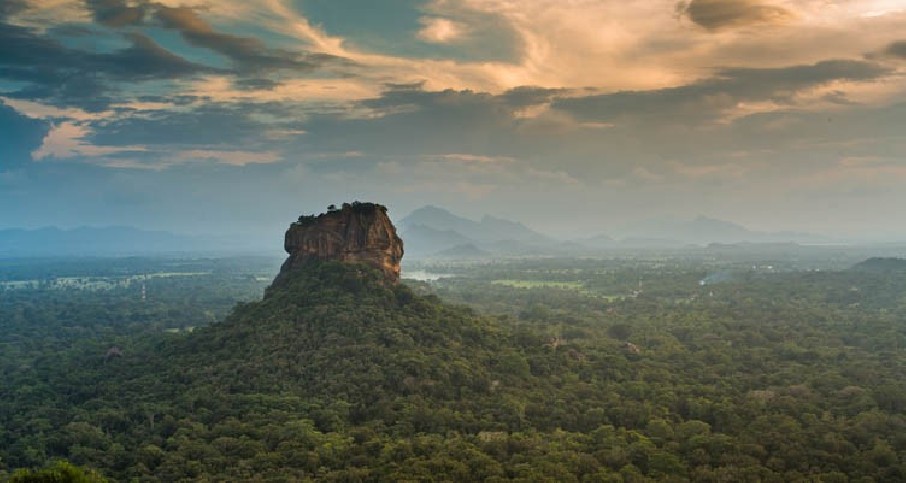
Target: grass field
[[540, 283], [556, 284]]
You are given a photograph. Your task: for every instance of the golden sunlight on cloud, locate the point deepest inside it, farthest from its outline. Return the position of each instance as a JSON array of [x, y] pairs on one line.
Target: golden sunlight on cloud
[[233, 158], [473, 158], [877, 8], [222, 89], [50, 12], [609, 44], [37, 110], [720, 14], [440, 30], [67, 140]]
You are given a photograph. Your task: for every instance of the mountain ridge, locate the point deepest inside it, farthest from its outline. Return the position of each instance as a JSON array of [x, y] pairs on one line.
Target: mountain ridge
[[431, 230], [703, 230]]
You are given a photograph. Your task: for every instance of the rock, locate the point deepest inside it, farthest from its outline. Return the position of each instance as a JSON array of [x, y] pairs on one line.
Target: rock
[[112, 353], [631, 348], [355, 233]]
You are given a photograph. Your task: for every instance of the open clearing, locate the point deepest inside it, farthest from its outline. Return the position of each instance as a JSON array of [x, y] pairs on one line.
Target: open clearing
[[540, 283]]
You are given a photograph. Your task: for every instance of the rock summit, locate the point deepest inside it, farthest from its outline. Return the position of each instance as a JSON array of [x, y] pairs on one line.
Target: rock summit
[[356, 233]]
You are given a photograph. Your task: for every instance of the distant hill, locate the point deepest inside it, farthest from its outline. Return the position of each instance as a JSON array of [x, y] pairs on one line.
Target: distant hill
[[881, 265], [421, 241], [703, 230], [650, 243], [464, 251], [596, 242], [488, 229], [430, 229]]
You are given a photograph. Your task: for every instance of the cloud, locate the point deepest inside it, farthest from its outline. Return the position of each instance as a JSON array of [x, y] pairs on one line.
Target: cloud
[[94, 75], [208, 124], [417, 30], [46, 112], [472, 158], [719, 14], [256, 84], [526, 96], [8, 8], [115, 13], [230, 157], [896, 49], [709, 99], [68, 140], [249, 54], [146, 59], [73, 141], [440, 30], [70, 77], [711, 172], [22, 134], [523, 104]]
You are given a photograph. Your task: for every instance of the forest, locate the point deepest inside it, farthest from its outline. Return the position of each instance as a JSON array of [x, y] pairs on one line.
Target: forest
[[631, 368]]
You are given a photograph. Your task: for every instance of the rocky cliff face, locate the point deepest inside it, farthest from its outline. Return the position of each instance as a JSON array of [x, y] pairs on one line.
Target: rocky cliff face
[[357, 232]]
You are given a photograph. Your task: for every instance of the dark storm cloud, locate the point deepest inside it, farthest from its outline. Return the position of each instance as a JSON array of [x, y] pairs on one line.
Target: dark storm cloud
[[145, 59], [413, 86], [23, 136], [20, 46], [57, 73], [718, 14], [61, 87], [256, 84], [896, 49], [413, 121], [409, 123], [706, 99], [410, 120], [247, 53], [525, 96], [11, 7], [63, 76], [115, 13], [452, 101]]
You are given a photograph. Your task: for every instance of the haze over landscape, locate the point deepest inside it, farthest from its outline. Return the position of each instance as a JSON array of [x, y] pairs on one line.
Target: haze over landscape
[[613, 241], [226, 118]]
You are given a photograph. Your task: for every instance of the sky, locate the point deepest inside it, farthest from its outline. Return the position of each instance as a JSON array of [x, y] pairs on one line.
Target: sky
[[572, 116]]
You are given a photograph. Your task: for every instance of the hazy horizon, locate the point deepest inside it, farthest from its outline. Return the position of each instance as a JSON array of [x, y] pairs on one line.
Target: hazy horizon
[[576, 119]]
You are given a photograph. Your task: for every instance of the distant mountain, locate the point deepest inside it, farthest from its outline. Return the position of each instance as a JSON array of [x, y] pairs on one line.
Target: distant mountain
[[430, 229], [421, 241], [651, 243], [597, 242], [704, 230], [492, 228], [881, 265], [707, 229], [437, 219], [465, 251], [487, 230]]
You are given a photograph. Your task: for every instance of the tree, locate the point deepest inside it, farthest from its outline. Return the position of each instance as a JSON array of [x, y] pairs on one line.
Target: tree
[[60, 472], [620, 331]]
